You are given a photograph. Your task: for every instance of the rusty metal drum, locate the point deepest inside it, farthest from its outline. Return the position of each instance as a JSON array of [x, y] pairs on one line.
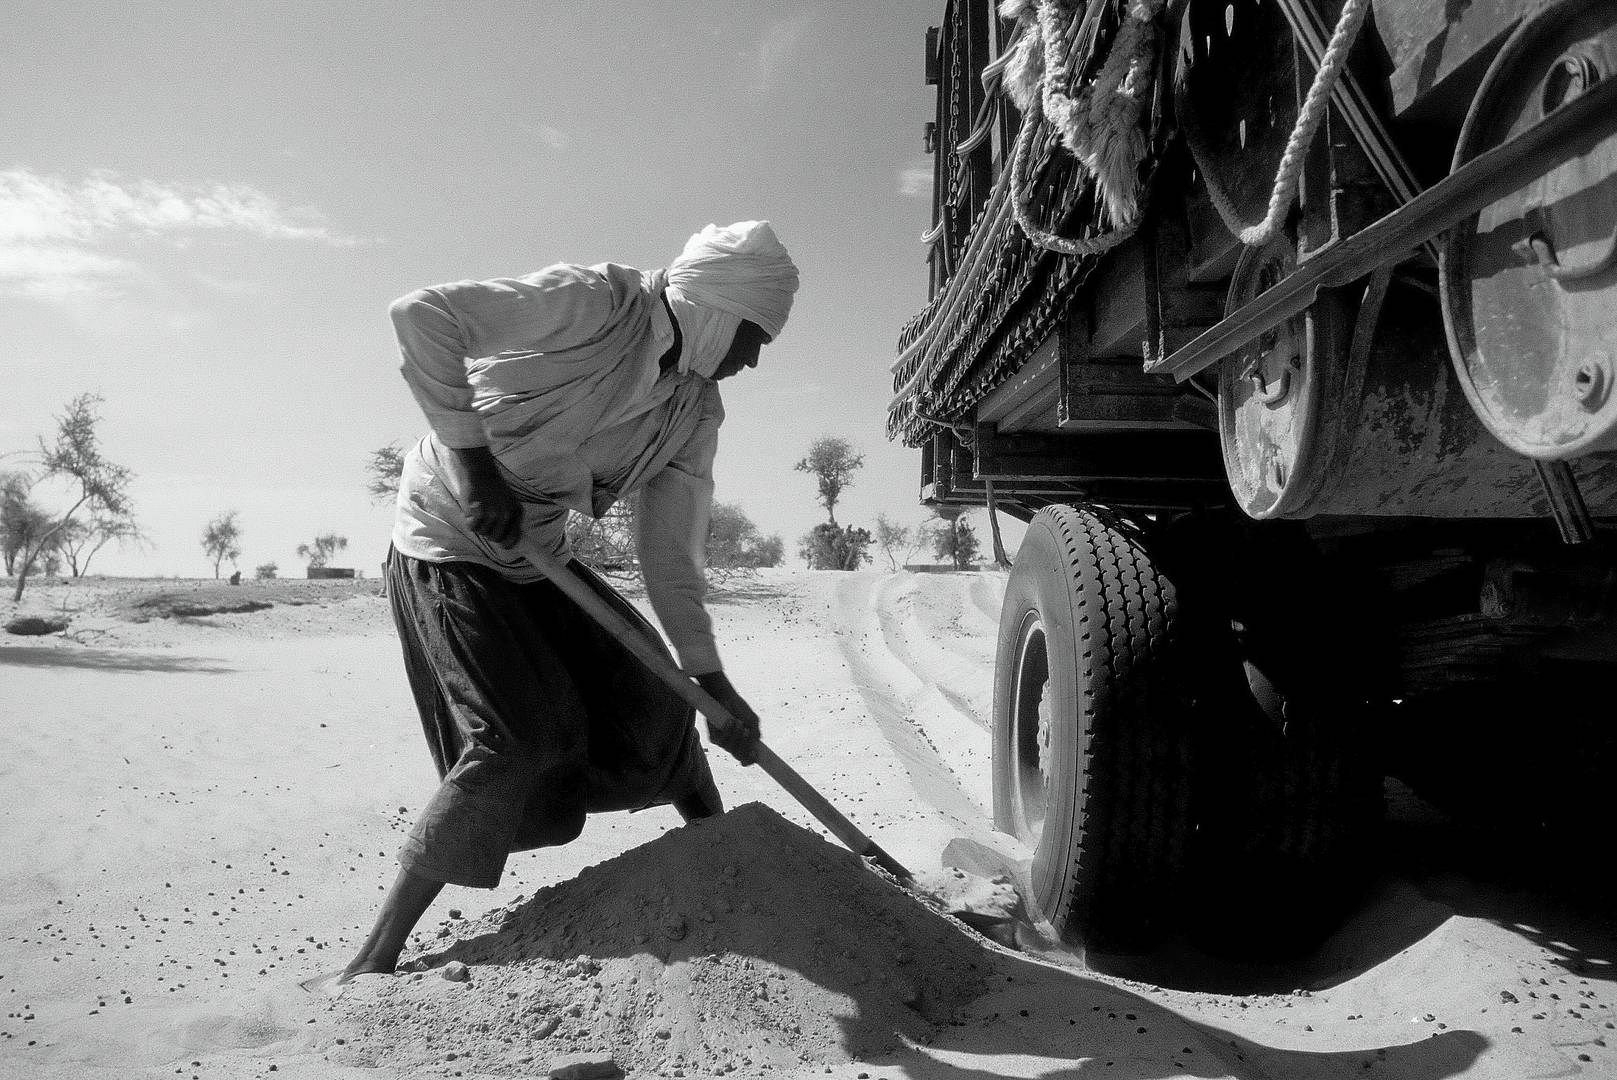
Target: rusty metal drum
[[1529, 287], [1352, 409]]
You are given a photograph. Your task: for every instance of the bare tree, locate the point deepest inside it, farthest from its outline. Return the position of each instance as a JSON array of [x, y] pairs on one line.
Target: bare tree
[[832, 461], [97, 486], [606, 544], [894, 539], [383, 472], [81, 540], [324, 547], [222, 539]]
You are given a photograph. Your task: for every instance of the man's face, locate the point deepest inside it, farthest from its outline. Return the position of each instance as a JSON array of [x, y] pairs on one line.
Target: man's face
[[750, 337]]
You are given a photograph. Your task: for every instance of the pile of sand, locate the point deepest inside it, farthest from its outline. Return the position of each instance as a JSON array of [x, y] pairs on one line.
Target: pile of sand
[[741, 944]]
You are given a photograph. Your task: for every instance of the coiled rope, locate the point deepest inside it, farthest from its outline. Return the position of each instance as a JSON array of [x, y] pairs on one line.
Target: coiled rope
[[1100, 125]]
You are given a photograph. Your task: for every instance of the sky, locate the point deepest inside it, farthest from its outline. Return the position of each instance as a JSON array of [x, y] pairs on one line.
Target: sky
[[206, 207]]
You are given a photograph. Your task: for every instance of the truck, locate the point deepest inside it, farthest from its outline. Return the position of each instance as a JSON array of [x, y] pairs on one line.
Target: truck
[[1289, 329]]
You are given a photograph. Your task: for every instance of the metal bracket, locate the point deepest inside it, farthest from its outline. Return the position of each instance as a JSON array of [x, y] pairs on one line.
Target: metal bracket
[[1569, 132], [1538, 248]]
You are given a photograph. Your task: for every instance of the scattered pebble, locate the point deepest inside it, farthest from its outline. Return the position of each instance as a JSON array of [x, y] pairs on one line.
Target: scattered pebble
[[455, 971]]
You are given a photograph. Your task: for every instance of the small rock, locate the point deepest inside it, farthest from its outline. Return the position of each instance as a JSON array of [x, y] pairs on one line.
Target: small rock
[[674, 928], [581, 965], [1507, 998], [544, 1027], [585, 1067], [455, 971]]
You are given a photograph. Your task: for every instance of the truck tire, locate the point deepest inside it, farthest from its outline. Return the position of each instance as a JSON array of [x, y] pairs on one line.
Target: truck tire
[[1287, 787], [1090, 748], [1285, 820]]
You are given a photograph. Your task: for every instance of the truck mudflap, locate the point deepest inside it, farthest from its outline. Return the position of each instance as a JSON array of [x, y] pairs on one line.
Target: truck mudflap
[[1529, 286]]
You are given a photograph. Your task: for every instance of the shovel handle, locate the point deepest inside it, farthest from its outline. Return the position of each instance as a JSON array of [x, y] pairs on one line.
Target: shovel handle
[[692, 694]]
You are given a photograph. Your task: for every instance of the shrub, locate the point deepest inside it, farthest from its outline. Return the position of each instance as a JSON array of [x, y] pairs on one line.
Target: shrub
[[953, 538], [835, 547], [36, 625], [734, 542]]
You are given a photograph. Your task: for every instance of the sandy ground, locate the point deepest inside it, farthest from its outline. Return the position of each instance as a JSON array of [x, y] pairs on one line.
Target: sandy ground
[[202, 810]]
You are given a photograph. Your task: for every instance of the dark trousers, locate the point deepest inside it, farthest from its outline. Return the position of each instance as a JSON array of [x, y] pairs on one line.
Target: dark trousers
[[534, 714]]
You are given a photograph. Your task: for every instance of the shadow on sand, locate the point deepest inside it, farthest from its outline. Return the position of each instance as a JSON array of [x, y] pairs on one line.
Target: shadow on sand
[[1064, 1025], [1552, 891], [773, 928], [120, 660]]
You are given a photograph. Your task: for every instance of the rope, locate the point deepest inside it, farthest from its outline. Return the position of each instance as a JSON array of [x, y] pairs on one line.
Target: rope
[[1308, 121], [1021, 199], [1100, 126]]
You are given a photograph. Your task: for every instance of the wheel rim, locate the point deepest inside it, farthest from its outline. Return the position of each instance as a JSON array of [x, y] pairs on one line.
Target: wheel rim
[[1031, 727]]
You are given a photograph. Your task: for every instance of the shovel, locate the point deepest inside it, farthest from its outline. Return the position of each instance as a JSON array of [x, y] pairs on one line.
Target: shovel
[[717, 716]]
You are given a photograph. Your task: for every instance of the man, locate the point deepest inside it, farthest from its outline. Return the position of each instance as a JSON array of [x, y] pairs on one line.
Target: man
[[563, 390]]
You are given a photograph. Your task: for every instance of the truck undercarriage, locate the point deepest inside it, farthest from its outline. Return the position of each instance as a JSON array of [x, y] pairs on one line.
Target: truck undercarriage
[[1287, 326]]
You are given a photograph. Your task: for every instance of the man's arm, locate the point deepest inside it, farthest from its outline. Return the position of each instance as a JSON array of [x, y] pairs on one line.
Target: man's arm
[[670, 533], [491, 510]]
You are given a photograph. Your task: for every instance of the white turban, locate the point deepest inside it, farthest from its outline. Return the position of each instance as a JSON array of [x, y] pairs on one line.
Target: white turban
[[722, 277]]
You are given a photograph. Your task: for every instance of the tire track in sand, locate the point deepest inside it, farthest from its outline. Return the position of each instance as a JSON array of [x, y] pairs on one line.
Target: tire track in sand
[[944, 747]]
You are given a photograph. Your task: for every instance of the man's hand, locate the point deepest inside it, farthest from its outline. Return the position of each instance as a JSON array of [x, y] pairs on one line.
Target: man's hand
[[741, 737], [492, 511]]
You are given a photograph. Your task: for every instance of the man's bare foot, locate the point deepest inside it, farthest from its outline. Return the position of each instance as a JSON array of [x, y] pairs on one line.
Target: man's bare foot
[[332, 984], [401, 910], [365, 965]]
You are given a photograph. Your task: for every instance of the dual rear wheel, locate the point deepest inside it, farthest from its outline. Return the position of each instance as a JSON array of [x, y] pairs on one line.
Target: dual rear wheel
[[1161, 777]]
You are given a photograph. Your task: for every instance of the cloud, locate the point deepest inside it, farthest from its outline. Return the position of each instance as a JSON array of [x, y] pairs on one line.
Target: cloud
[[779, 43], [915, 181], [53, 271], [54, 233]]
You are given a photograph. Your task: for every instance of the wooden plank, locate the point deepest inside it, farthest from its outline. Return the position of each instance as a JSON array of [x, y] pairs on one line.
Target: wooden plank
[[1117, 303], [1153, 455], [1027, 400], [1094, 392]]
